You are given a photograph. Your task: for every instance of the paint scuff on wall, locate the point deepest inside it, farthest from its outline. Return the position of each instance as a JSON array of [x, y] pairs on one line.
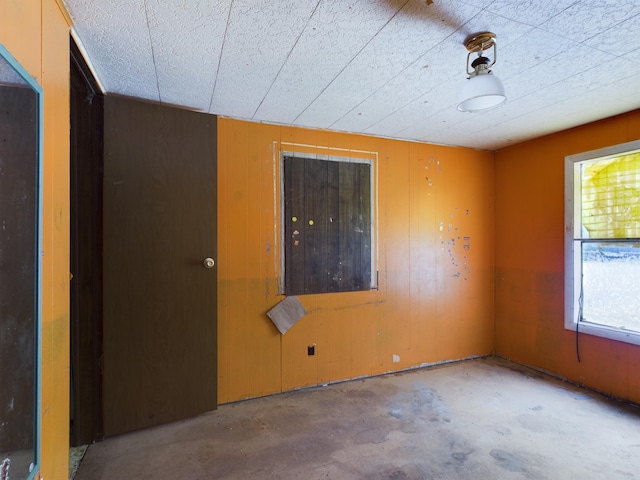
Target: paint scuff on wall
[[452, 245]]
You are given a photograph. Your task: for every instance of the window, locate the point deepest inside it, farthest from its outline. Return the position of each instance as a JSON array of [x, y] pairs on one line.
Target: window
[[327, 224], [602, 245]]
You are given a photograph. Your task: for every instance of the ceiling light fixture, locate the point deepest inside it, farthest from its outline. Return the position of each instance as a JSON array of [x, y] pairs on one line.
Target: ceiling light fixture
[[484, 90]]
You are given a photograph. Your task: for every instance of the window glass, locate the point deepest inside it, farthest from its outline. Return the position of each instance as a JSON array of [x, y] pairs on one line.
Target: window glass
[[603, 253], [611, 284]]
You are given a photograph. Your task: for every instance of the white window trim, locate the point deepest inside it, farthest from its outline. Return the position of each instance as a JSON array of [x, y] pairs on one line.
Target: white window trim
[[572, 259]]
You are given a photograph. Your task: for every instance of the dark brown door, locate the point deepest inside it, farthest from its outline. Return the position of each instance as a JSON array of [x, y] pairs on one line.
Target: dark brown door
[[159, 299], [86, 165]]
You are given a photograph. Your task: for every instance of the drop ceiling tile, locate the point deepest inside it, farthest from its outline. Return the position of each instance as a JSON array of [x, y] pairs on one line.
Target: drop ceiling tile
[[525, 127], [443, 98], [335, 34], [187, 40], [580, 110], [421, 79], [405, 88], [530, 13], [122, 67], [505, 29], [259, 40], [407, 38], [421, 131], [620, 39], [529, 52], [385, 67], [625, 87], [632, 56], [565, 71], [474, 122], [436, 128], [449, 136], [618, 69], [588, 18]]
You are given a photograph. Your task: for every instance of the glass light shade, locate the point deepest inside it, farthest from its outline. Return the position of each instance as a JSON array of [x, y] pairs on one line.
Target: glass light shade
[[482, 92]]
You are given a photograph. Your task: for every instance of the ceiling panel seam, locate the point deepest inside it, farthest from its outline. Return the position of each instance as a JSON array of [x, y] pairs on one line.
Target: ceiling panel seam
[[153, 56], [224, 40], [275, 78], [352, 58]]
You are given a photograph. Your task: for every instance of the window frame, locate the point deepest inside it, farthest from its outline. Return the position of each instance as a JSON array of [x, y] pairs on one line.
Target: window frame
[[573, 256], [373, 281]]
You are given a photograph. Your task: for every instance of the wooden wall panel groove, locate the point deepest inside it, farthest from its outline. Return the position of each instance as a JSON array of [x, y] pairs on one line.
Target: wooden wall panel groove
[[422, 312]]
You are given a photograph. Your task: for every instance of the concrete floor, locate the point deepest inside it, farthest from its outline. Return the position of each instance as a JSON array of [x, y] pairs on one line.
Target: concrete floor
[[478, 419]]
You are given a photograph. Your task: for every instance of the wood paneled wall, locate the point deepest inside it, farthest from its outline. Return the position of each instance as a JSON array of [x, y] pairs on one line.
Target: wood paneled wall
[[36, 32], [530, 262], [435, 262]]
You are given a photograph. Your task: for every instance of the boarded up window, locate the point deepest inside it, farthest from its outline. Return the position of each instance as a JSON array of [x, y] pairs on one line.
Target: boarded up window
[[327, 225]]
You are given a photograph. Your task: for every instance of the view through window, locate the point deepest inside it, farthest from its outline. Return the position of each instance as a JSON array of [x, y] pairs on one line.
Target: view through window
[[604, 255]]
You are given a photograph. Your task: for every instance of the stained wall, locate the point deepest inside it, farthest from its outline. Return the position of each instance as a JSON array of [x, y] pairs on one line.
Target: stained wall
[[36, 32], [529, 239], [440, 233], [434, 257]]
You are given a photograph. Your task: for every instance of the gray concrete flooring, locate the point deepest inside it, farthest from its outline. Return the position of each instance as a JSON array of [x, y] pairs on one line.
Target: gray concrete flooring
[[477, 419]]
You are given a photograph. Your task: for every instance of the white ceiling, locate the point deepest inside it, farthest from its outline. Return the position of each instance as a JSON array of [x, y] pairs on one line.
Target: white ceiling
[[391, 68]]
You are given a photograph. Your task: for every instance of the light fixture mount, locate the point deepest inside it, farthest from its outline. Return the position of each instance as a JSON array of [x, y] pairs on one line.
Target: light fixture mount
[[483, 90], [480, 41]]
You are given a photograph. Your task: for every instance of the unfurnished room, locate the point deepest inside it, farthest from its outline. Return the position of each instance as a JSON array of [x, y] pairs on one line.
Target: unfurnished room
[[343, 239]]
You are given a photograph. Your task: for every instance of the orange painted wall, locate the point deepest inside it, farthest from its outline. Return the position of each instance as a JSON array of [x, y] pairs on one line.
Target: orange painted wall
[[36, 32], [435, 301], [529, 277]]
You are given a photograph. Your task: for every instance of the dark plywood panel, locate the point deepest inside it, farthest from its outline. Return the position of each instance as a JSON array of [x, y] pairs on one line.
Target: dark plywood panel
[[362, 230], [315, 224], [294, 226], [328, 249], [159, 301], [348, 214], [18, 260], [333, 227]]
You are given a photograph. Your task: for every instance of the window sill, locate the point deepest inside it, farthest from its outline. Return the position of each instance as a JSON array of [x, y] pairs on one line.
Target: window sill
[[619, 335]]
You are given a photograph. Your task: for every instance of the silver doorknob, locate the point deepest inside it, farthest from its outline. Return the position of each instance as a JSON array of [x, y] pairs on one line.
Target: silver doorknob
[[208, 262]]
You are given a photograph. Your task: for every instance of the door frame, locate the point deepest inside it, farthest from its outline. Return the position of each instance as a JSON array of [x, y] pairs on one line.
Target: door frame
[[86, 323]]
